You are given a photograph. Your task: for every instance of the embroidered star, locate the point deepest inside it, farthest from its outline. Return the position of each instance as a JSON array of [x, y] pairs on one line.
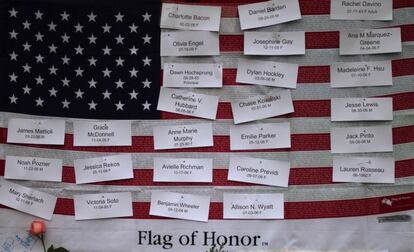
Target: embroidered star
[[92, 39], [107, 95], [26, 25], [39, 36], [119, 62], [147, 61], [26, 47], [92, 83], [133, 95], [107, 51], [53, 70], [13, 77], [26, 68], [79, 72], [65, 82], [92, 61], [119, 84], [106, 28], [39, 80], [65, 60], [79, 50], [13, 34], [39, 102], [146, 17], [92, 17], [134, 50], [107, 72], [79, 94], [65, 16], [119, 39], [92, 105], [52, 26], [65, 104], [65, 38], [133, 72], [119, 106], [53, 92], [78, 28], [52, 48], [133, 28], [146, 105], [147, 39], [13, 99], [119, 17], [13, 13], [147, 83], [39, 58], [26, 90], [38, 14], [13, 56]]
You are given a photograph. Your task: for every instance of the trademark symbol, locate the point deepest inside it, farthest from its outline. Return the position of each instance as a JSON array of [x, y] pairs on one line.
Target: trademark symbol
[[265, 244]]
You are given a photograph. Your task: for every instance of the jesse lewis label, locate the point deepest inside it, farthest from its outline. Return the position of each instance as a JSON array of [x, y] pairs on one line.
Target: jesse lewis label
[[361, 109]]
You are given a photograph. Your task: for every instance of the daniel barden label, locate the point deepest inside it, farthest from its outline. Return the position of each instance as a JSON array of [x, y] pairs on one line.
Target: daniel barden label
[[36, 131], [361, 109], [183, 170], [102, 133], [193, 75], [373, 41], [189, 43], [361, 9], [274, 43]]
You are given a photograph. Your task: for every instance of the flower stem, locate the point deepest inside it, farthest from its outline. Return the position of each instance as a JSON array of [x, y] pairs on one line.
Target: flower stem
[[43, 242]]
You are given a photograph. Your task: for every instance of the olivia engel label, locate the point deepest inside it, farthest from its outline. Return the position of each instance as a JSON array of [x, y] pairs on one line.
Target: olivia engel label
[[189, 43], [190, 17], [193, 75], [33, 168], [364, 169], [262, 106], [183, 136], [183, 170], [36, 131], [188, 103], [274, 43], [361, 109], [368, 41], [180, 206], [267, 73], [268, 13], [99, 169], [27, 200], [102, 133], [361, 9], [260, 136], [361, 74], [259, 171], [361, 139], [102, 205], [253, 206]]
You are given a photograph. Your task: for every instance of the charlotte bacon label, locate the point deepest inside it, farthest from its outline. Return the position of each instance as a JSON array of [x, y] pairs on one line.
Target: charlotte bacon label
[[268, 13], [183, 170], [361, 139], [36, 131], [190, 17], [274, 43], [361, 74], [364, 169], [102, 133], [368, 41], [253, 206], [193, 75], [361, 109], [262, 106], [33, 168], [188, 103], [189, 43], [361, 9]]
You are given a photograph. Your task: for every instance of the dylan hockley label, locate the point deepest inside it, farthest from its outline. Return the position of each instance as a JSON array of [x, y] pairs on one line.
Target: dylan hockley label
[[189, 43], [274, 43], [36, 131], [193, 75], [361, 9], [102, 133], [361, 109], [183, 170], [33, 168], [370, 41]]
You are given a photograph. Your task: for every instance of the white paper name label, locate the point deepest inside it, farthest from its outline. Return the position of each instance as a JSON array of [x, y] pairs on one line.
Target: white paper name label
[[253, 206], [267, 73], [102, 205], [33, 168], [108, 168], [259, 171], [361, 74], [102, 133], [274, 43], [370, 41], [183, 170], [36, 131], [27, 200], [361, 109], [190, 17], [189, 43], [180, 206], [183, 136], [193, 75], [361, 139], [262, 106], [188, 103], [361, 9], [260, 136], [268, 13], [364, 169]]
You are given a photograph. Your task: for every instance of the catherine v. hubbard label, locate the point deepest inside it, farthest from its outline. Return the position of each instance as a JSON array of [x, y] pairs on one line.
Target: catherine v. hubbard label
[[361, 9], [193, 75], [361, 109], [268, 13], [36, 131], [274, 43], [189, 43], [33, 168], [27, 200], [102, 133], [373, 41], [190, 17], [183, 170]]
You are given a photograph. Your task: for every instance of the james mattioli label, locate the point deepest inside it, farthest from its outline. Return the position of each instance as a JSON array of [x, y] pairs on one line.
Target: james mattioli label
[[183, 136], [33, 168], [268, 13], [193, 75], [190, 43], [190, 17], [102, 133], [364, 169], [260, 136], [361, 9], [361, 109], [253, 206], [188, 103], [370, 41], [262, 106], [183, 170], [361, 139], [27, 200], [259, 171], [180, 206], [99, 169], [36, 131], [361, 74], [267, 73], [103, 205], [274, 43]]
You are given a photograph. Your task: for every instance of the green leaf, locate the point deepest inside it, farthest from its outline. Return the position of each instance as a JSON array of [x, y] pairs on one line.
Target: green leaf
[[61, 249], [51, 249]]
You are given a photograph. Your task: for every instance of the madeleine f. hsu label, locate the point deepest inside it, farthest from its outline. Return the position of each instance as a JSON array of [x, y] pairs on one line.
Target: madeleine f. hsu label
[[33, 168], [361, 9], [183, 170], [274, 43], [190, 43], [36, 131], [193, 75], [102, 133], [361, 109]]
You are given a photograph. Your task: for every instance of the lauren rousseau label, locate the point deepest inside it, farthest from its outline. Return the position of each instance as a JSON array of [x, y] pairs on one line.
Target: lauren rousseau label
[[36, 131], [274, 43], [102, 133], [33, 168], [361, 9], [189, 43]]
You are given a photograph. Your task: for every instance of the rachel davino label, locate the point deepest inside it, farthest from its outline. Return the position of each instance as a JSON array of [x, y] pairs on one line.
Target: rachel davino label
[[33, 168], [41, 131], [361, 10]]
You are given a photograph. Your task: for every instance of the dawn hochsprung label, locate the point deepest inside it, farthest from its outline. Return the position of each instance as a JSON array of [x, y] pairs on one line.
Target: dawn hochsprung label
[[361, 9], [36, 131], [193, 75]]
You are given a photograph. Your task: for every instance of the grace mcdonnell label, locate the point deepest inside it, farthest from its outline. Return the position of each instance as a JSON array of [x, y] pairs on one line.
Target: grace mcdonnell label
[[102, 133], [190, 43], [193, 75], [274, 43], [361, 9], [33, 168], [361, 109], [36, 131], [183, 170], [268, 13]]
